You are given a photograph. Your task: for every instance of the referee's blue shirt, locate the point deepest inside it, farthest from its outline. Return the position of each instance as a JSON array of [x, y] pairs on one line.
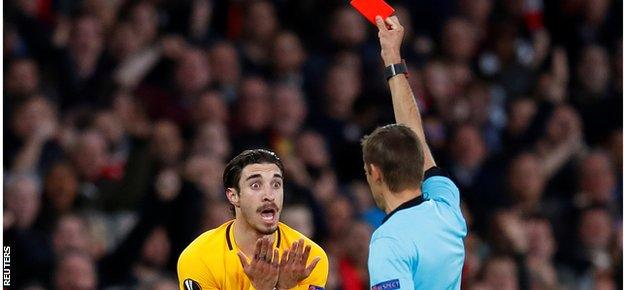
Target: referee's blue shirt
[[420, 245]]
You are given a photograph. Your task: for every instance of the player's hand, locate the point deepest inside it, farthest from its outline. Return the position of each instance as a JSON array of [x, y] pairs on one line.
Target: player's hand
[[390, 37], [292, 269], [263, 269]]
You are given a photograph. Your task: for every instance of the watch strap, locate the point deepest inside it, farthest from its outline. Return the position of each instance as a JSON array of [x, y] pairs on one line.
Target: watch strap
[[395, 69]]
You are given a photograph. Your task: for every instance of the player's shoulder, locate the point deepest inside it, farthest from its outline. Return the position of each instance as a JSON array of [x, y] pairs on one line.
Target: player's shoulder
[[207, 242], [291, 235]]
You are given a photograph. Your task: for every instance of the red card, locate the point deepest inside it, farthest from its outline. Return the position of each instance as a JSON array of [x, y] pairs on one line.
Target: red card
[[372, 8]]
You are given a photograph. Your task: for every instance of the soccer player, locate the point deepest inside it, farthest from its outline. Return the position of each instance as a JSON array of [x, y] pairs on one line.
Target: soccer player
[[255, 250], [420, 242]]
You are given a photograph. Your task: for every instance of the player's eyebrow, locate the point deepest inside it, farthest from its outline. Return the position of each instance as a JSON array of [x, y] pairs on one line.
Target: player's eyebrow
[[276, 175], [253, 176]]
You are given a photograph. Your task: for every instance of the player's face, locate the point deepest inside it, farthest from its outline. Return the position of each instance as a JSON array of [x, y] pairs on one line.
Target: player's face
[[261, 196]]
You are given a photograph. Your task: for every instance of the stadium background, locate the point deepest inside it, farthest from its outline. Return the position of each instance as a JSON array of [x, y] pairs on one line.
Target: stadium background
[[119, 116]]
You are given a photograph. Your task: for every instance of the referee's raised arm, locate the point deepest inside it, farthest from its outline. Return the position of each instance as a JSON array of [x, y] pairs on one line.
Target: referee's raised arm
[[403, 101]]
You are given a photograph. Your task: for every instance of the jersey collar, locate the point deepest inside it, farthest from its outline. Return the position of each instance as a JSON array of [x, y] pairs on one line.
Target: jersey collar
[[229, 237], [410, 203]]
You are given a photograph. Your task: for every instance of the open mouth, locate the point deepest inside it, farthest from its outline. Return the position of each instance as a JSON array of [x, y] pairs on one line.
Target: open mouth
[[268, 214]]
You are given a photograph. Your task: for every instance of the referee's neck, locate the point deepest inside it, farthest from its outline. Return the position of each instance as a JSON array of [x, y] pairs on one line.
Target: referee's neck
[[396, 199]]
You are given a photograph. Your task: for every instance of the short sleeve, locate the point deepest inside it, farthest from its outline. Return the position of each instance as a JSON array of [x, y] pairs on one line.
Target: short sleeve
[[192, 274], [389, 266], [318, 277], [438, 186]]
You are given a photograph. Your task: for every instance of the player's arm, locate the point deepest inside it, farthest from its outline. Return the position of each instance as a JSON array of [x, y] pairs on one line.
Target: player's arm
[[403, 101], [388, 266]]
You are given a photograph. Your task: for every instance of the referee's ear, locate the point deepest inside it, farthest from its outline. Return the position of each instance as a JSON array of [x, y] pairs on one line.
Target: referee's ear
[[376, 174], [232, 196]]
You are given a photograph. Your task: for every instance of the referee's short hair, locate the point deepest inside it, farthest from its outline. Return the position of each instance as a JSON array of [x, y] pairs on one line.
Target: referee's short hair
[[234, 168], [396, 150]]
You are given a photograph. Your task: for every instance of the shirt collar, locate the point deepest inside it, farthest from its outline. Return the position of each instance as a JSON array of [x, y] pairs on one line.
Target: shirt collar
[[229, 236], [410, 203]]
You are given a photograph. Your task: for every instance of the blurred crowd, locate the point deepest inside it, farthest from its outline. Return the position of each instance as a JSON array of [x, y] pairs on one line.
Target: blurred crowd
[[120, 115]]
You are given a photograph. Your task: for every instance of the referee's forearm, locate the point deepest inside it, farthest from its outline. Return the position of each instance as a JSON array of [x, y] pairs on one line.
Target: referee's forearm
[[406, 112]]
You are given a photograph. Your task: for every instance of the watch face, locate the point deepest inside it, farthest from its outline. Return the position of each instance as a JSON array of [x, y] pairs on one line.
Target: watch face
[[189, 284]]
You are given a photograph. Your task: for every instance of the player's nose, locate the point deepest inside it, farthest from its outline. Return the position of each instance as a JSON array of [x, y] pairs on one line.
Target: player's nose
[[268, 194]]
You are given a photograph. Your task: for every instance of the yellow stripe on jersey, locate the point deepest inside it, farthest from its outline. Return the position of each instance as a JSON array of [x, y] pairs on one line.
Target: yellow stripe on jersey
[[211, 260]]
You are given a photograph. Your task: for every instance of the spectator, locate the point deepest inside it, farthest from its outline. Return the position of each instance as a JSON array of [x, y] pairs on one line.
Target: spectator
[[254, 113], [224, 58], [144, 21], [290, 112], [261, 25], [33, 144], [61, 192], [23, 204], [70, 234], [526, 182], [211, 107], [212, 139], [154, 256], [353, 265], [90, 155], [459, 40], [75, 270], [22, 79], [289, 58], [216, 213], [500, 273], [591, 259], [299, 218], [597, 182], [348, 31], [540, 254], [167, 144], [83, 70], [192, 73], [204, 171], [593, 96]]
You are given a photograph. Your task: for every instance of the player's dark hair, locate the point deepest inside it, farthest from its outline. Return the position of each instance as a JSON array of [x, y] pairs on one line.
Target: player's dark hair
[[396, 150], [234, 168]]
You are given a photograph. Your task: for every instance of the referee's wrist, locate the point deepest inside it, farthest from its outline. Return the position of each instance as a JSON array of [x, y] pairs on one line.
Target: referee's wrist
[[391, 58], [395, 69]]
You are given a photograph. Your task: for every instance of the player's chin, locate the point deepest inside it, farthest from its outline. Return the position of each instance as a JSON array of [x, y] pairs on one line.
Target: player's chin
[[267, 229], [268, 224]]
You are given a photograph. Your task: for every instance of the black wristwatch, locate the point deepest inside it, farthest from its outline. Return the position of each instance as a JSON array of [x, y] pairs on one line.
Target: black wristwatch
[[395, 69]]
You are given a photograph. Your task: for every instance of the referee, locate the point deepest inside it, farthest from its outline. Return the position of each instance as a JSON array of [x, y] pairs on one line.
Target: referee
[[420, 242]]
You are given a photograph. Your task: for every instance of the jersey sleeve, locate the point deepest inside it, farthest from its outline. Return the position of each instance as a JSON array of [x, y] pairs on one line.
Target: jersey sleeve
[[439, 187], [193, 274], [318, 277], [389, 266]]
